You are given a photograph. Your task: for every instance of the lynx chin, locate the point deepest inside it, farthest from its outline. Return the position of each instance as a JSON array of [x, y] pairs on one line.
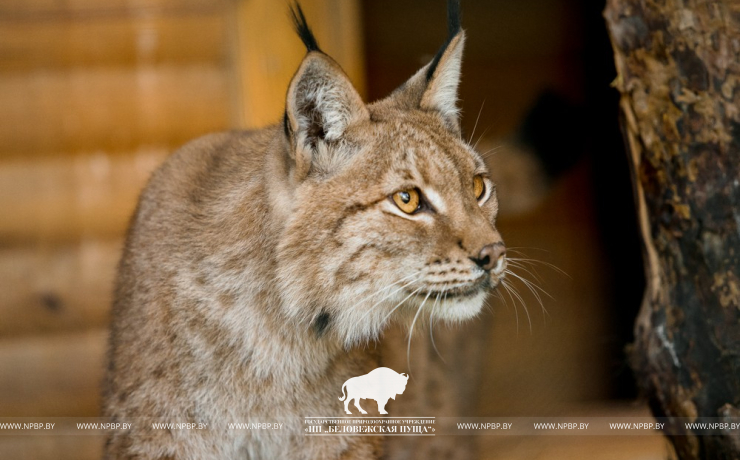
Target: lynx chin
[[259, 264]]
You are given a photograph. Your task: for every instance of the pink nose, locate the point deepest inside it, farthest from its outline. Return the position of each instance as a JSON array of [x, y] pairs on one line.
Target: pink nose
[[491, 258]]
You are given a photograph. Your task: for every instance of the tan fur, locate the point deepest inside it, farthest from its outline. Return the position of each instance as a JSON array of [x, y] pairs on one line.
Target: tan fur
[[244, 242]]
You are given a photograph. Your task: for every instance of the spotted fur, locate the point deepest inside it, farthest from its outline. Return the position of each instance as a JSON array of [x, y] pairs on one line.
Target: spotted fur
[[259, 264]]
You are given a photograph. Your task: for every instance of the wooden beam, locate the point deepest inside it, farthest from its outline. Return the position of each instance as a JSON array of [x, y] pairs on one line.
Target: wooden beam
[[119, 41], [19, 9], [65, 198], [52, 289], [42, 447], [53, 376], [267, 52], [110, 108]]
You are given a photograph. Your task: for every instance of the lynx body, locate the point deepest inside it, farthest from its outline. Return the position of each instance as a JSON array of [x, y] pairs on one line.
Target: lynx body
[[259, 264]]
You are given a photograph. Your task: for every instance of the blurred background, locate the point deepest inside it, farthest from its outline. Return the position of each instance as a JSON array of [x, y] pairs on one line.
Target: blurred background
[[94, 94]]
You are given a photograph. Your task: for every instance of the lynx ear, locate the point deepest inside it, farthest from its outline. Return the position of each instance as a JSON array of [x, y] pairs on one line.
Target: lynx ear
[[434, 86], [444, 80], [321, 105]]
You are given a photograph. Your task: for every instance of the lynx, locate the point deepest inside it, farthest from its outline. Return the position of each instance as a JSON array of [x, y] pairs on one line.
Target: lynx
[[260, 264]]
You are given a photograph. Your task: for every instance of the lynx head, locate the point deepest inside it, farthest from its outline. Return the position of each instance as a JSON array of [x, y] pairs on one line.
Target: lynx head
[[393, 213]]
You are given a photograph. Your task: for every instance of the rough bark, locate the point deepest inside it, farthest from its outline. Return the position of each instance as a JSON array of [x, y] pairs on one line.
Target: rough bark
[[678, 65]]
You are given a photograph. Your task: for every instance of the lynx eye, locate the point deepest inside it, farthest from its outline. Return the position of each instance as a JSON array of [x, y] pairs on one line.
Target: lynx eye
[[479, 187], [407, 200]]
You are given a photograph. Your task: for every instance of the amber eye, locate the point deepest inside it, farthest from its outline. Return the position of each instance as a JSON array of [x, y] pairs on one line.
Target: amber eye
[[479, 187], [407, 200]]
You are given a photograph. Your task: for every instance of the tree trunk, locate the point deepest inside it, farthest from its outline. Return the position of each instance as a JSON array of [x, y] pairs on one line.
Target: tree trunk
[[678, 65]]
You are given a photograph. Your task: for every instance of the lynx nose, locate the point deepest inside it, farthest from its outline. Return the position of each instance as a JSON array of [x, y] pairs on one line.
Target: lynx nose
[[491, 258]]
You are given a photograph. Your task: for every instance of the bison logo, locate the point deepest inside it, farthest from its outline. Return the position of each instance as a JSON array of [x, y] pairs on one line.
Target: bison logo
[[381, 385]]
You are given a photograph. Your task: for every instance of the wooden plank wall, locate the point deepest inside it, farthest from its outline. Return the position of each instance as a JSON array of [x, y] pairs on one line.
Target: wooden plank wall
[[94, 94]]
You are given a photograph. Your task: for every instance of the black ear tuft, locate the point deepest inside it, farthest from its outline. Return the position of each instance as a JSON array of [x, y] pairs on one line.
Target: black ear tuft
[[453, 18], [302, 29], [453, 28]]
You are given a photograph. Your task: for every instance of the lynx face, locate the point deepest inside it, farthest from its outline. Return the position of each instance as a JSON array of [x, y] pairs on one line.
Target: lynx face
[[393, 213]]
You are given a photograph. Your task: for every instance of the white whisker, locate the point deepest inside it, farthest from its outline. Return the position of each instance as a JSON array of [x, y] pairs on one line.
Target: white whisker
[[388, 296], [515, 250], [532, 262], [359, 302], [444, 299], [399, 304], [526, 269], [492, 151], [516, 294], [476, 121], [431, 327], [516, 312], [411, 331], [534, 292], [481, 137], [487, 304], [531, 287]]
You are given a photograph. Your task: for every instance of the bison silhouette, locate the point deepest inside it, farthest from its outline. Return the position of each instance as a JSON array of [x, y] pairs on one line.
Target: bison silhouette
[[381, 385]]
